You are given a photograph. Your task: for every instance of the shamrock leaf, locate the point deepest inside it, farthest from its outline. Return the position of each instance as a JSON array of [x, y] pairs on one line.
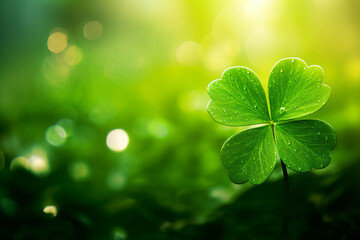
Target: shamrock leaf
[[238, 98], [250, 155], [305, 144], [295, 90]]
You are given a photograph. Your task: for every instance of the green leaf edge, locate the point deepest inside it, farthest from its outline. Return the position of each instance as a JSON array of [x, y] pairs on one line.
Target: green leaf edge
[[211, 99], [334, 145], [228, 168], [307, 66]]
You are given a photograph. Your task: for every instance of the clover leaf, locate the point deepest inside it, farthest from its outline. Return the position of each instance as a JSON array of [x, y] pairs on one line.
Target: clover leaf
[[295, 90], [238, 98]]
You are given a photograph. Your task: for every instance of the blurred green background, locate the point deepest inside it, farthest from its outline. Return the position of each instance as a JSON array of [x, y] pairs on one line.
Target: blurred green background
[[104, 132]]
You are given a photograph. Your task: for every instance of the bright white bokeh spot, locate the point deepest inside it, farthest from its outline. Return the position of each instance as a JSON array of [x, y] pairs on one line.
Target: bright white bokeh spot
[[92, 30], [117, 140], [188, 53], [57, 42], [56, 135], [36, 162], [51, 210]]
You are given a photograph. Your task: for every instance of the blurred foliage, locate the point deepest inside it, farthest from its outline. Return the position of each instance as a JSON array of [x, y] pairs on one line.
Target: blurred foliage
[[73, 71]]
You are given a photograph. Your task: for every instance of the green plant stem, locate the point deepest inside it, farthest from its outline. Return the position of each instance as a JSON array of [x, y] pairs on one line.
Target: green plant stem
[[286, 200], [286, 193]]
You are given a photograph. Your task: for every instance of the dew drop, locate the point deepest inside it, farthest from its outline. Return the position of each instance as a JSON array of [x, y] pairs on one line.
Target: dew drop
[[255, 106], [248, 72], [282, 110], [318, 133], [292, 60], [281, 70], [326, 138], [289, 143], [224, 110]]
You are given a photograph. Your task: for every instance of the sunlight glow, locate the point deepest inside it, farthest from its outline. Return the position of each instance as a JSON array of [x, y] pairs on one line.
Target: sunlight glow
[[352, 69], [232, 48], [215, 59], [117, 140], [188, 53]]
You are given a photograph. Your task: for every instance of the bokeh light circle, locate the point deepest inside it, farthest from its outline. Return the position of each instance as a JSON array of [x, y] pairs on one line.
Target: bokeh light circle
[[117, 140], [92, 30], [57, 42]]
